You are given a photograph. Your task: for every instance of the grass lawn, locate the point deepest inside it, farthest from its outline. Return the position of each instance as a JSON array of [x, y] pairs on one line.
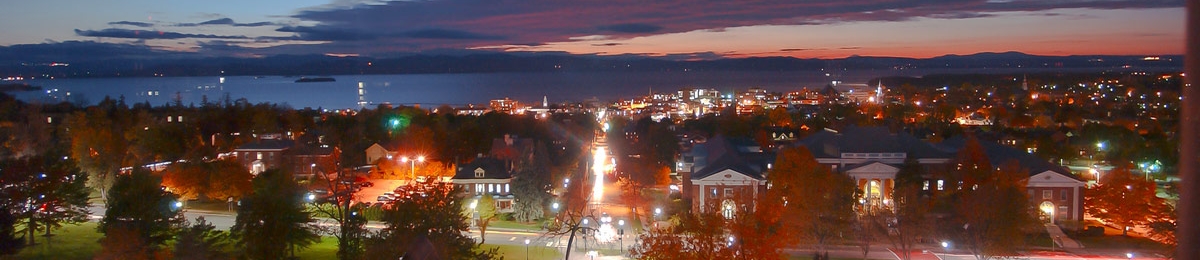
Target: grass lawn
[[69, 242], [518, 252], [515, 225], [326, 249], [1121, 242]]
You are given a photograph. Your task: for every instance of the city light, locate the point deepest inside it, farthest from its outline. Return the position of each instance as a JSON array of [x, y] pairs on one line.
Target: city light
[[599, 158]]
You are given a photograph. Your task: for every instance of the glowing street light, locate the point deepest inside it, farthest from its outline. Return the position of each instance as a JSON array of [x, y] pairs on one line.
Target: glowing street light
[[526, 248], [412, 164]]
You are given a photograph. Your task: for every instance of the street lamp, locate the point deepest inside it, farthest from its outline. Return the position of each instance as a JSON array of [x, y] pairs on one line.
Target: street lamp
[[526, 248], [474, 214], [945, 248], [1129, 255], [412, 164]]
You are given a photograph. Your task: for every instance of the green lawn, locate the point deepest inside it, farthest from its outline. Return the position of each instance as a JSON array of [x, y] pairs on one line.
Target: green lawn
[[514, 225], [518, 252], [69, 242], [82, 242], [326, 249]]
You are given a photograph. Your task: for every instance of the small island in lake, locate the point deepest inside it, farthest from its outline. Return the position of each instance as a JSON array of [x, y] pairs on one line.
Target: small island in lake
[[316, 79]]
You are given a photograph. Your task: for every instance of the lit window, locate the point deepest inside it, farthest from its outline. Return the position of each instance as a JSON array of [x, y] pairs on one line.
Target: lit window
[[926, 187], [941, 185], [259, 155], [489, 190], [506, 188]]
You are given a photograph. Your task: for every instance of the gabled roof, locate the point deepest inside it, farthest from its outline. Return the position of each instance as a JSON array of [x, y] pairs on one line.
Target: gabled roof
[[999, 154], [266, 145], [730, 162], [492, 169], [853, 139]]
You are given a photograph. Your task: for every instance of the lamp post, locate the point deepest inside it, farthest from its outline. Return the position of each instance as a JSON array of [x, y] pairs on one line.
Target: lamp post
[[621, 235], [527, 248], [945, 248], [412, 164], [474, 214]]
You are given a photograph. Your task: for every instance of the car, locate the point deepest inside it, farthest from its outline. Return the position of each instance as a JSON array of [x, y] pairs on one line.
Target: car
[[384, 198]]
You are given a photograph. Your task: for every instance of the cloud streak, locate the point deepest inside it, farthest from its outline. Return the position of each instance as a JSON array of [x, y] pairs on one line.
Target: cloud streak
[[145, 35]]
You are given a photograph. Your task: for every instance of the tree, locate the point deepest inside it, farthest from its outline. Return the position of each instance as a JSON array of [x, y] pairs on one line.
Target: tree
[[819, 201], [273, 220], [486, 207], [752, 233], [990, 209], [204, 180], [139, 211], [9, 242], [351, 225], [431, 212], [531, 187], [200, 240], [97, 143], [44, 191], [907, 222], [1125, 200]]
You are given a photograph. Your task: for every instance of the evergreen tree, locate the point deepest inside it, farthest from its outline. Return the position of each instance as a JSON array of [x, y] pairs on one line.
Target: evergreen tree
[[531, 187], [272, 220], [200, 241], [427, 214], [138, 208], [9, 242]]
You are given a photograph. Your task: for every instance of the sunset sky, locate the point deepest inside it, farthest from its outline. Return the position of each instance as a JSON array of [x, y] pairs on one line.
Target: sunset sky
[[697, 29]]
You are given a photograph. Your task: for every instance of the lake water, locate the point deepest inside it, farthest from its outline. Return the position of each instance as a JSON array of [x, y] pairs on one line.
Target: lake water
[[436, 89]]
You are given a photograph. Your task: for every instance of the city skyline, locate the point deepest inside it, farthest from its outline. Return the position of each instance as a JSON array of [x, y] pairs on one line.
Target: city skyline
[[676, 29]]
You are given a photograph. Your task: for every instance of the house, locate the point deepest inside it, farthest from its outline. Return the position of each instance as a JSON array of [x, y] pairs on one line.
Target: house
[[721, 169], [377, 151], [309, 160], [486, 176], [871, 156], [265, 153], [1053, 190]]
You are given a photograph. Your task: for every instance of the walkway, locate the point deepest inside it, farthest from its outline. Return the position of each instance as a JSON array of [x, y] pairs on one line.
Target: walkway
[[1063, 241]]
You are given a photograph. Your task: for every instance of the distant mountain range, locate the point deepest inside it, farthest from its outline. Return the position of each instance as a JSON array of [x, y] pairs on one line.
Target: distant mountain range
[[299, 65]]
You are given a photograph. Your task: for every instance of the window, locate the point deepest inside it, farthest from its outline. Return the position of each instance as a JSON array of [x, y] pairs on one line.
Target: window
[[1047, 194], [490, 190], [259, 155], [714, 192], [478, 188], [926, 187], [506, 188], [1062, 196], [941, 185], [479, 172], [1062, 210], [728, 192]]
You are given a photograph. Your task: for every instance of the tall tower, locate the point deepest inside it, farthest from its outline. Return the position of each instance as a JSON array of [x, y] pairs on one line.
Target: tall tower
[[362, 98], [1025, 83], [544, 103]]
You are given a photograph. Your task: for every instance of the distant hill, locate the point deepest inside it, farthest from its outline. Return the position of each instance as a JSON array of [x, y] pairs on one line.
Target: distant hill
[[540, 62]]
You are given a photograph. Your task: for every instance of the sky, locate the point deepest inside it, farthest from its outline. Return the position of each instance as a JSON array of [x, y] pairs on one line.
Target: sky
[[672, 28]]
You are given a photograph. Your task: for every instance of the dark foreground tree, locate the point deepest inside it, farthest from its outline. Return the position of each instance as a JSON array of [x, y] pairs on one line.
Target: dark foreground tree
[[426, 219], [272, 221], [1126, 200], [139, 215], [10, 243], [201, 241]]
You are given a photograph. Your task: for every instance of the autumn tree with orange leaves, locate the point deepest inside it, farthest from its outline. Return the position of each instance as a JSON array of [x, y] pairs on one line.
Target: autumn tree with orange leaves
[[1125, 200]]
